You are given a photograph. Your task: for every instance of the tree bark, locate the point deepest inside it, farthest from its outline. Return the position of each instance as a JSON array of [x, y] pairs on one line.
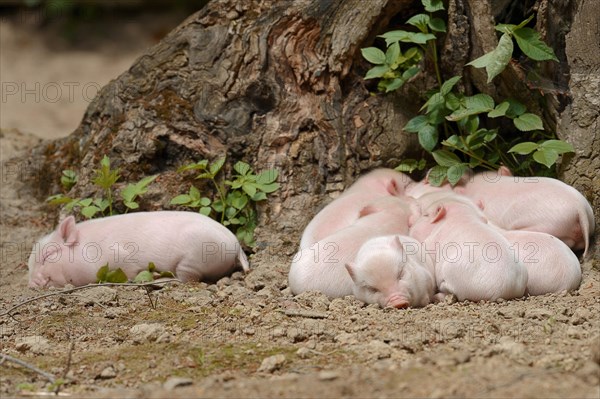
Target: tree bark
[[278, 84]]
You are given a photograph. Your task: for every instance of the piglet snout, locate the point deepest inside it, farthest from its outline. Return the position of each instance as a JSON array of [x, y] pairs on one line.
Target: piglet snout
[[397, 301]]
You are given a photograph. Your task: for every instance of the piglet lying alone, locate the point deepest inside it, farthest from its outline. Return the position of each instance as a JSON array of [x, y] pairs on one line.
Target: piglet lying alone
[[190, 245]]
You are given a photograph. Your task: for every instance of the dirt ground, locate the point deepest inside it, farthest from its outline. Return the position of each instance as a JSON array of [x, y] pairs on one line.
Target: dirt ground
[[247, 336]]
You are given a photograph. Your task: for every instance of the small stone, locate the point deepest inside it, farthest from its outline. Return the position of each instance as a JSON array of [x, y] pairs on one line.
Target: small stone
[[303, 353], [573, 332], [177, 382], [328, 375], [146, 332], [580, 316], [101, 295], [271, 363], [108, 373], [35, 344]]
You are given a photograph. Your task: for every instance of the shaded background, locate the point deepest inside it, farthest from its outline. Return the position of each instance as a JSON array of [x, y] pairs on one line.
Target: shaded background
[[55, 55]]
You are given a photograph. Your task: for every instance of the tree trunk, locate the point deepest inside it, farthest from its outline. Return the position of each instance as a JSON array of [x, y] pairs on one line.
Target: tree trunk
[[279, 84]]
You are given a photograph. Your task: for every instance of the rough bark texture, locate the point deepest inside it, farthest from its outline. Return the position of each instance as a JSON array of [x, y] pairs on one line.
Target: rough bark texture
[[580, 122], [279, 84]]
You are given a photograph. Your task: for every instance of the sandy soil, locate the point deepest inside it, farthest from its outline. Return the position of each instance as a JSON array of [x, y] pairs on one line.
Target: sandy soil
[[247, 336]]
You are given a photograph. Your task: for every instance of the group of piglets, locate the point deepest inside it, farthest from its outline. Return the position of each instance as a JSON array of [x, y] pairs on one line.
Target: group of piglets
[[192, 246], [399, 243]]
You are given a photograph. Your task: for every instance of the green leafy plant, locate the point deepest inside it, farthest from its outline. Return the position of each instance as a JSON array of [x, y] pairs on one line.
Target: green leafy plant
[[104, 178], [456, 129], [106, 275], [233, 202]]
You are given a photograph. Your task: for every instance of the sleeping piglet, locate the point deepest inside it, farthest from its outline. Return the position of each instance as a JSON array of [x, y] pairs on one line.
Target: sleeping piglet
[[533, 204], [190, 245], [551, 265], [343, 211], [322, 266], [390, 271], [471, 259]]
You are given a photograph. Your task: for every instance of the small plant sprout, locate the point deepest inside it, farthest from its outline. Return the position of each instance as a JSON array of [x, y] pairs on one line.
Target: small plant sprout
[[233, 202]]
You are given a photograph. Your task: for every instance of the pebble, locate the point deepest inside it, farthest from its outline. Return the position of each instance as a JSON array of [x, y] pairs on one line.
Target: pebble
[[328, 375], [108, 373], [303, 353], [146, 332], [538, 313], [580, 316], [35, 344], [177, 382], [101, 295], [272, 363]]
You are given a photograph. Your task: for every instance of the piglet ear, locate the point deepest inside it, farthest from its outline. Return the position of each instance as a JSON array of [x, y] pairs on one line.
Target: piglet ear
[[479, 204], [350, 267], [504, 171], [392, 187], [439, 214], [67, 230]]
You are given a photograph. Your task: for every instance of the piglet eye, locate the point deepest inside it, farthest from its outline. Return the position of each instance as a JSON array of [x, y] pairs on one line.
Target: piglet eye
[[371, 289]]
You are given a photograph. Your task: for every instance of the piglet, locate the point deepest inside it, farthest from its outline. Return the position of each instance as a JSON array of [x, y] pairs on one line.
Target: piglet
[[343, 211], [190, 245], [471, 259], [551, 265], [537, 204], [390, 271], [321, 266]]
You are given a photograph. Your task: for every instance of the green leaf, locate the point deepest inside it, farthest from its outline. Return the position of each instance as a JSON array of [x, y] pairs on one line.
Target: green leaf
[[433, 5], [516, 108], [205, 210], [268, 188], [449, 84], [410, 72], [502, 55], [259, 196], [90, 211], [194, 193], [240, 202], [193, 166], [437, 25], [524, 148], [242, 168], [131, 205], [101, 273], [205, 175], [151, 267], [377, 72], [500, 110], [545, 157], [530, 43], [216, 166], [217, 206], [58, 199], [204, 201], [559, 146], [181, 200], [166, 274], [144, 276], [437, 175], [407, 37], [454, 102], [455, 172], [267, 176], [510, 28], [417, 123], [528, 122], [249, 188], [477, 104], [392, 53], [483, 61], [408, 165], [116, 276], [421, 21], [445, 158], [428, 137], [394, 84], [373, 55]]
